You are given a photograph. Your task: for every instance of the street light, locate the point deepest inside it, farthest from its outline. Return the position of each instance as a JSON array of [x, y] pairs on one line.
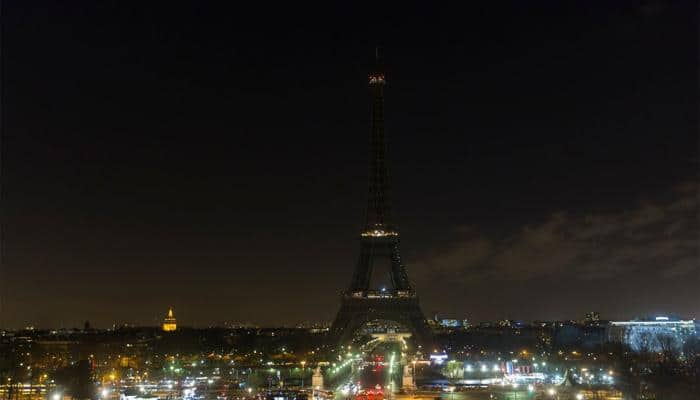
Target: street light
[[414, 372], [303, 363]]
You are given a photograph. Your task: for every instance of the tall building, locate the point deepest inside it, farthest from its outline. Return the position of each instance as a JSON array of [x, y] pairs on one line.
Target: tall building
[[169, 322], [380, 288]]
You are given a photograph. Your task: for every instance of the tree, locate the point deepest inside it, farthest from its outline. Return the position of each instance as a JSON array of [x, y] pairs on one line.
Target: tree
[[77, 379]]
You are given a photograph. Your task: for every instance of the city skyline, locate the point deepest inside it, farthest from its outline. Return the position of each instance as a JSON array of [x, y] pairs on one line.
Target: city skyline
[[212, 168]]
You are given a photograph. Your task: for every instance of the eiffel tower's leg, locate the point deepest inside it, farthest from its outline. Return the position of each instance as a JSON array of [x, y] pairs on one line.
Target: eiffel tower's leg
[[398, 270]]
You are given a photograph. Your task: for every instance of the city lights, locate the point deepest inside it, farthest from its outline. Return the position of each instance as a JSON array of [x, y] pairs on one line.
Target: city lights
[[202, 204]]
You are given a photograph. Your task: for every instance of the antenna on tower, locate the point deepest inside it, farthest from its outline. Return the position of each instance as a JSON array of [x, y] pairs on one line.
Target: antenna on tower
[[378, 62], [377, 56]]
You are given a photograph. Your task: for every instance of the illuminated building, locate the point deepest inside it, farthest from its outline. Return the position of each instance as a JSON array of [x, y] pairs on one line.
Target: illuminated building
[[450, 323], [447, 323], [651, 334], [169, 322], [591, 318]]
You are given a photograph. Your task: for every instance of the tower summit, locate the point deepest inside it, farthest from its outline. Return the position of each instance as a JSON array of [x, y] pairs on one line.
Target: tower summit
[[380, 288], [378, 213]]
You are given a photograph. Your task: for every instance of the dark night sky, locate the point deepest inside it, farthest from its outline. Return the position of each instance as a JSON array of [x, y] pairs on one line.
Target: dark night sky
[[544, 158]]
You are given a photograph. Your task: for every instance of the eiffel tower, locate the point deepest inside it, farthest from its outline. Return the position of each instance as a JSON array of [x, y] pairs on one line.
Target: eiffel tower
[[380, 289]]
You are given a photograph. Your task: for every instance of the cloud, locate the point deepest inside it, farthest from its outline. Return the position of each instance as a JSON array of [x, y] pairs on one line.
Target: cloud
[[682, 267], [659, 238]]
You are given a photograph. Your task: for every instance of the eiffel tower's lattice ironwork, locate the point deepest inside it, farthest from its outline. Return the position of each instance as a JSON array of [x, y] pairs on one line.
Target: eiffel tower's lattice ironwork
[[379, 245]]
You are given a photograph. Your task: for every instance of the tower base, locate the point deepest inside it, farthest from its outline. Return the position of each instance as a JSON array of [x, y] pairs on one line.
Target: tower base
[[357, 311]]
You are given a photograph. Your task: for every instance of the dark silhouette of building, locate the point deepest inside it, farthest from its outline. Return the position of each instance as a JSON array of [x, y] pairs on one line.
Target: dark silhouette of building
[[380, 288]]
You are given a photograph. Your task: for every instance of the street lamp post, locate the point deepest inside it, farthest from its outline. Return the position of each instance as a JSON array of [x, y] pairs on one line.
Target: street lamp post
[[303, 363], [414, 374]]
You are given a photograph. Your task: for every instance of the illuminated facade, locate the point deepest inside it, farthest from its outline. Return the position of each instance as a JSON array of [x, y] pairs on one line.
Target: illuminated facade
[[169, 322], [652, 334]]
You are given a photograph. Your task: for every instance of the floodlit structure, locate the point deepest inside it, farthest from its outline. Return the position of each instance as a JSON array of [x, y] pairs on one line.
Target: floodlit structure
[[169, 322], [652, 334]]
